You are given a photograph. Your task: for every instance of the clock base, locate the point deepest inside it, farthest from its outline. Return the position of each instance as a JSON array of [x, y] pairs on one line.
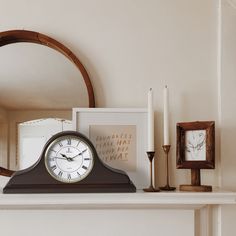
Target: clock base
[[109, 188], [194, 188]]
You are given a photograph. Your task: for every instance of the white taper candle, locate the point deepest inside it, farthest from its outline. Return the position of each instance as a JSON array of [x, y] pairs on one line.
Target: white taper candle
[[150, 122], [166, 116]]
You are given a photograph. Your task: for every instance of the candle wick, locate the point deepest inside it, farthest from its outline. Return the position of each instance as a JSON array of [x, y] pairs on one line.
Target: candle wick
[[166, 86], [150, 89]]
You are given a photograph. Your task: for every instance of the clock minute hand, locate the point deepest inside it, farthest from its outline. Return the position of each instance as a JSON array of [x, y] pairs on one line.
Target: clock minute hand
[[61, 158], [79, 154], [82, 152]]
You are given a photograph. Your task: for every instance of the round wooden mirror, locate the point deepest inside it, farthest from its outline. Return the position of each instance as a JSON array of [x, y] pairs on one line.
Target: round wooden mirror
[[16, 36]]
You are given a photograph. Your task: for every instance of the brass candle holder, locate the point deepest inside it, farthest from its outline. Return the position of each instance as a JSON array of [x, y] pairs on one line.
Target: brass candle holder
[[151, 187], [167, 187]]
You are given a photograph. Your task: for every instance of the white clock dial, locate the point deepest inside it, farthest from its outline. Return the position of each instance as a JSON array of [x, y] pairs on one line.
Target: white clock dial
[[195, 145], [69, 159]]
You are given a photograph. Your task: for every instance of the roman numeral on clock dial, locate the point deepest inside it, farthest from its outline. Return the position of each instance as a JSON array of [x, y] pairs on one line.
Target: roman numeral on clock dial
[[53, 167], [69, 177], [60, 144], [68, 141]]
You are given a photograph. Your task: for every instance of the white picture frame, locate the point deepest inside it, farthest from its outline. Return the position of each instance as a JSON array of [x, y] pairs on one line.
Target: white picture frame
[[85, 118]]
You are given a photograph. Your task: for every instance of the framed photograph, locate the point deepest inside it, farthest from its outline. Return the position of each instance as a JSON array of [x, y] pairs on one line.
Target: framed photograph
[[196, 145], [120, 138]]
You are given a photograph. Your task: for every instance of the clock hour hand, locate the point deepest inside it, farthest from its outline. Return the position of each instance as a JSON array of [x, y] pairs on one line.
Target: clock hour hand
[[66, 157]]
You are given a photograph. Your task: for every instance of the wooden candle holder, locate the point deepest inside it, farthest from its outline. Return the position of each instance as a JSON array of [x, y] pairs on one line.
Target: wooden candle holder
[[167, 187], [151, 187]]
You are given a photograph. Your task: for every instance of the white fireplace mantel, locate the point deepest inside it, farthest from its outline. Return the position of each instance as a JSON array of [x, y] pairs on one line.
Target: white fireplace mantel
[[138, 200], [180, 212]]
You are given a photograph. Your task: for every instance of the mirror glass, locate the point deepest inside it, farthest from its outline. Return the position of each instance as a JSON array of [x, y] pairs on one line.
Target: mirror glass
[[36, 82], [32, 135], [34, 76]]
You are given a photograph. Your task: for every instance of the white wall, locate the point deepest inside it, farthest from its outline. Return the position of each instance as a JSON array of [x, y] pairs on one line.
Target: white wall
[[228, 113], [228, 95], [128, 46]]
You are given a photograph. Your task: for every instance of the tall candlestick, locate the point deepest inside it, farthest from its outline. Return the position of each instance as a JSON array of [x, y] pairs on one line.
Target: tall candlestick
[[166, 117], [150, 122]]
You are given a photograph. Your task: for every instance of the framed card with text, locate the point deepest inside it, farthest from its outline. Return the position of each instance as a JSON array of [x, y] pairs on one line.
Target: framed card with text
[[119, 136], [195, 150]]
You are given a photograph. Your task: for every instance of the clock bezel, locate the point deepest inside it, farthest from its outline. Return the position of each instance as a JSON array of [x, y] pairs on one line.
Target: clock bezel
[[58, 139]]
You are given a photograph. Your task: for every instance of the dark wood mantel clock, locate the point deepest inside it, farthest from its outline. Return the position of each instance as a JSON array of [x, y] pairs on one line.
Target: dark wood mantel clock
[[195, 151], [69, 163]]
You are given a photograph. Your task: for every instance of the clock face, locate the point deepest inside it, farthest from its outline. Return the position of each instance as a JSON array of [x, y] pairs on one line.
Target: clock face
[[195, 145], [69, 159]]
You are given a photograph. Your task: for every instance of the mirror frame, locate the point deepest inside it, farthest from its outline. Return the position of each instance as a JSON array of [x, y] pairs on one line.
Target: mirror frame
[[17, 36]]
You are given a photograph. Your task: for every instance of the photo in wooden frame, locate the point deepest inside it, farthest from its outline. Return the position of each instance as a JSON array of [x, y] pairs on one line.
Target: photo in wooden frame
[[195, 150]]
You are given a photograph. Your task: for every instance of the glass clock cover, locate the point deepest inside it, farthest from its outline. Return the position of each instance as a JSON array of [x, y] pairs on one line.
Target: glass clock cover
[[69, 159]]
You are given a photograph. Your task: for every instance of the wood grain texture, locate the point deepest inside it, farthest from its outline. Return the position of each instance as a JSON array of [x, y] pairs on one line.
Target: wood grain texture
[[6, 172], [193, 188], [195, 185], [181, 129], [17, 36]]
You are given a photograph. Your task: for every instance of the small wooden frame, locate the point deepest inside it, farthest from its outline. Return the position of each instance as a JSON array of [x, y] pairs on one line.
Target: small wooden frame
[[195, 151]]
